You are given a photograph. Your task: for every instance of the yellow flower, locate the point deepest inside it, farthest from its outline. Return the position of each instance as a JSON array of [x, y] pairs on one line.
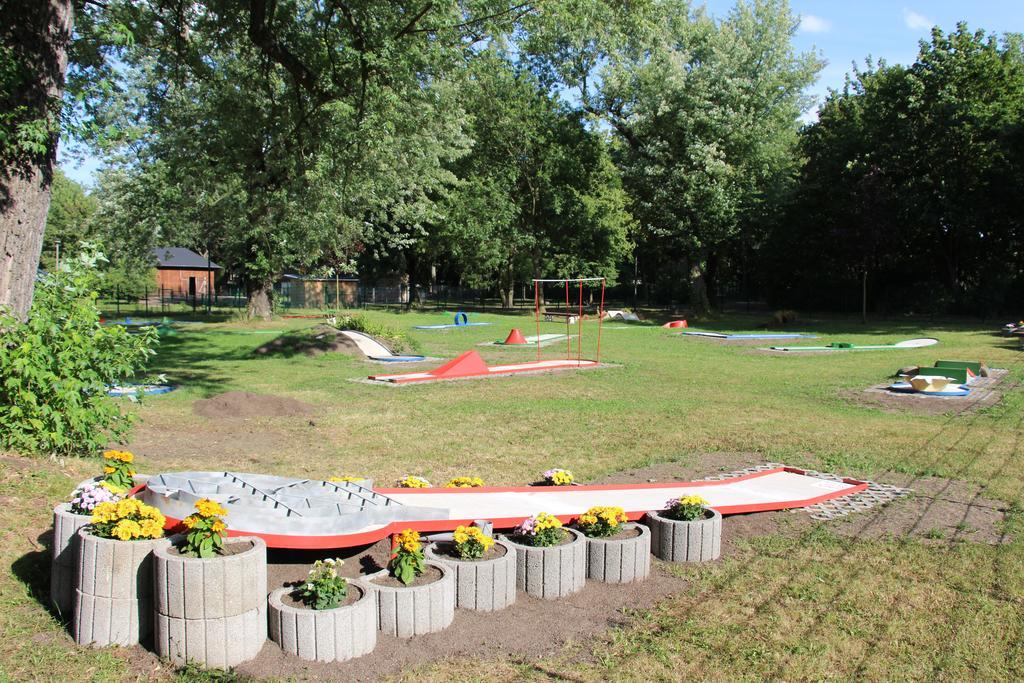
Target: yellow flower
[[104, 512], [411, 546], [127, 507], [151, 528], [464, 483], [190, 521], [127, 529], [210, 508], [219, 527], [107, 469], [412, 482], [340, 479], [545, 520], [460, 535]]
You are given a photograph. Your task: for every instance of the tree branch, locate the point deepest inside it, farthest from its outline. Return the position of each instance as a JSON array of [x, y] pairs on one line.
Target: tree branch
[[263, 37]]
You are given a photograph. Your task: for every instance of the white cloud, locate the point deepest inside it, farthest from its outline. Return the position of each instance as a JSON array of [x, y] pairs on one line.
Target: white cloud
[[916, 21], [812, 24]]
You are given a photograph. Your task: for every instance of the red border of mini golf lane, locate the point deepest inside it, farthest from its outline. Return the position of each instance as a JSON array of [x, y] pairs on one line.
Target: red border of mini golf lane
[[492, 371], [436, 525]]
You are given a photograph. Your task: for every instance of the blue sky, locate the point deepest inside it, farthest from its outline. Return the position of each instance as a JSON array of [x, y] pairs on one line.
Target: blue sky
[[842, 32]]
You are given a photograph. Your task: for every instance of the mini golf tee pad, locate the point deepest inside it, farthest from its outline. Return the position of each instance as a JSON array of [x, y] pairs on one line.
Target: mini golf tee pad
[[308, 513]]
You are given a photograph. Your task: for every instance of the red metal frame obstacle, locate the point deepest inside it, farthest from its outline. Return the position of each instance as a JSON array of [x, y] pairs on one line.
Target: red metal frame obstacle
[[470, 364]]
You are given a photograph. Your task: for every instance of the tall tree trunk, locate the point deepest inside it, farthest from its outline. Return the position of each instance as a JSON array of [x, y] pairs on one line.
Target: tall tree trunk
[[38, 33], [506, 288], [698, 285], [259, 305]]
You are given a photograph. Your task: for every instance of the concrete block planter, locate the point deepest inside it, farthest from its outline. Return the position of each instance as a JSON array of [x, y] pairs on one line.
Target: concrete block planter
[[622, 560], [552, 572], [63, 565], [407, 611], [212, 611], [329, 635], [114, 595], [482, 585], [696, 541]]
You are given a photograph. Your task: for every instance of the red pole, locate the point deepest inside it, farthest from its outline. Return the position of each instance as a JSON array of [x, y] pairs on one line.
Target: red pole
[[536, 313], [579, 332], [600, 322], [568, 337]]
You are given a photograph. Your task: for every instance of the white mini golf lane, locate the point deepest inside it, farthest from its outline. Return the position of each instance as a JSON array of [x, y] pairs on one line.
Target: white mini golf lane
[[777, 489]]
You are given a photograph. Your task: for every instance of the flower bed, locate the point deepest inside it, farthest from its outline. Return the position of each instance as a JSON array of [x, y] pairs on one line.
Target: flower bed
[[550, 560], [484, 583], [332, 635], [686, 531], [114, 577]]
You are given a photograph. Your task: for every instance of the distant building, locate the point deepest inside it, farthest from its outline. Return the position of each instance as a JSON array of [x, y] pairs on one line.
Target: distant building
[[183, 271], [303, 291]]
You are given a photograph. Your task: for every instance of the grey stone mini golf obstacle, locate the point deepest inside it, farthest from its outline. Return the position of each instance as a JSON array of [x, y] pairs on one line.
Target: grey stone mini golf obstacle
[[407, 611], [677, 541], [329, 635], [482, 585], [114, 590], [212, 611], [552, 572], [63, 565], [624, 560]]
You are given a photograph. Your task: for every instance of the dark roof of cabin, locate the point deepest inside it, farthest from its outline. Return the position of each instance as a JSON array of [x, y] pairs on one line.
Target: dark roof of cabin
[[180, 257]]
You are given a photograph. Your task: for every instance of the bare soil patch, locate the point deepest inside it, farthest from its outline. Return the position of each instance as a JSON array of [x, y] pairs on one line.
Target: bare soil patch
[[985, 392], [242, 404]]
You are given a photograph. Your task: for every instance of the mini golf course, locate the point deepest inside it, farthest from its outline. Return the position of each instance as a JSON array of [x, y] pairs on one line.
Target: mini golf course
[[374, 350], [461, 320], [847, 346], [721, 335], [304, 513], [470, 365]]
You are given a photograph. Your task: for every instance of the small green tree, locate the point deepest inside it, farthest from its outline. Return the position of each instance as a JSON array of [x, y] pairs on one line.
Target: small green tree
[[55, 367]]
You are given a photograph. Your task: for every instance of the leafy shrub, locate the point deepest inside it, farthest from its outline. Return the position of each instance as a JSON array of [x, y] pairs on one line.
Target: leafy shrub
[[397, 340], [324, 589], [56, 366]]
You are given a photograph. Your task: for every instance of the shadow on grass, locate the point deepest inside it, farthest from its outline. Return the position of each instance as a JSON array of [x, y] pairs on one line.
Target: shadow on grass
[[33, 570]]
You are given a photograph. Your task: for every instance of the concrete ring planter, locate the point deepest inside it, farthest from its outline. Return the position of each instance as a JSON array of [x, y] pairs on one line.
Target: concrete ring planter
[[620, 560], [482, 585], [407, 611], [63, 566], [114, 594], [696, 541], [552, 572], [328, 635], [211, 610]]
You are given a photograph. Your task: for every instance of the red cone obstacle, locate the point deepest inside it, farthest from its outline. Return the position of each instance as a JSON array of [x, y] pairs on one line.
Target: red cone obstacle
[[515, 337], [676, 323], [468, 364]]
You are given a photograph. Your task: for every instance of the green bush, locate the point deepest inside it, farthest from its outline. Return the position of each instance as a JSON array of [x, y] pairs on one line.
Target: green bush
[[55, 367], [396, 339]]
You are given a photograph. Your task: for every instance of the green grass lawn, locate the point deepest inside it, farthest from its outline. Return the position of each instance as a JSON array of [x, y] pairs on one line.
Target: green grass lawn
[[798, 607]]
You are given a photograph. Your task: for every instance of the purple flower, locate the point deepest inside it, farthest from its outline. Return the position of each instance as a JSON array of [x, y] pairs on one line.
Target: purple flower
[[83, 500]]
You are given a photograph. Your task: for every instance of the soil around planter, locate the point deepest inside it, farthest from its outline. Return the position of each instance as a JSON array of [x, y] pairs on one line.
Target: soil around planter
[[447, 550], [243, 404], [566, 539], [628, 532], [292, 599], [429, 575], [228, 550]]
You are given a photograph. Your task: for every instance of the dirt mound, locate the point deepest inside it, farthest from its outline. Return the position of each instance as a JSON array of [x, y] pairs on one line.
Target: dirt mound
[[245, 404], [311, 342]]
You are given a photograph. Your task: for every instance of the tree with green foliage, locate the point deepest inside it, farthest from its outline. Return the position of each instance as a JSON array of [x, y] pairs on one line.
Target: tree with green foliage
[[538, 195], [707, 121], [69, 219], [910, 183]]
